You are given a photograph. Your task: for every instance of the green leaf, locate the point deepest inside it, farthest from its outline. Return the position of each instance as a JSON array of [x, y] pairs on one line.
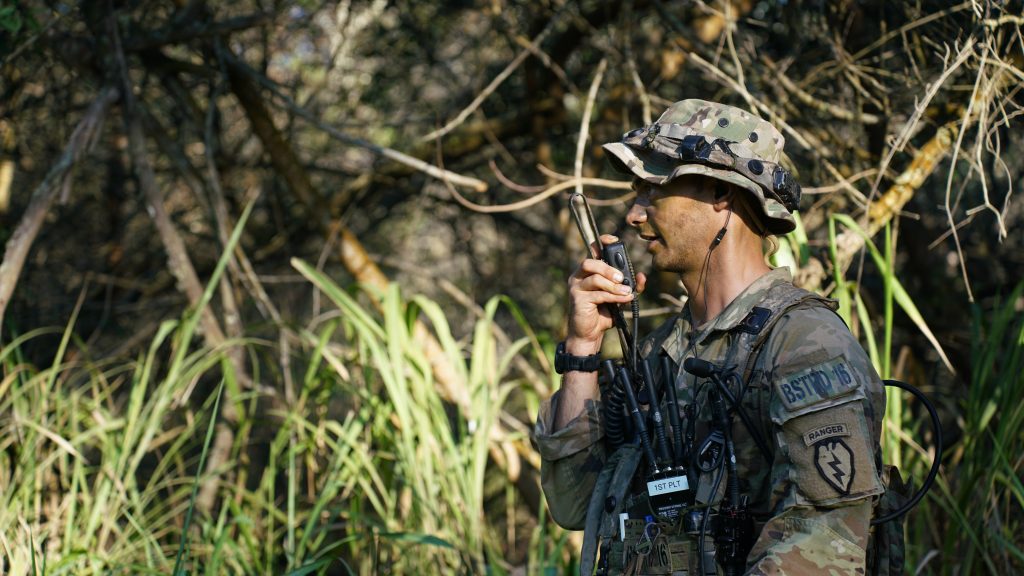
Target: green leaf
[[899, 293], [311, 567], [414, 538], [799, 236]]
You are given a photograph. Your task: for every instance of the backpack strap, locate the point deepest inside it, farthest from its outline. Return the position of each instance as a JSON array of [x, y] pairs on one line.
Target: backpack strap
[[756, 328], [606, 502], [613, 481]]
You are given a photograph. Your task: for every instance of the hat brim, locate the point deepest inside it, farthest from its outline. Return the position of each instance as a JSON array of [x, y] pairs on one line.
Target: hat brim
[[657, 169]]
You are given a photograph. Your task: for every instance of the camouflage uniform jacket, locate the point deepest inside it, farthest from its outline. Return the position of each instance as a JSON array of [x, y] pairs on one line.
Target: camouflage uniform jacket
[[819, 403]]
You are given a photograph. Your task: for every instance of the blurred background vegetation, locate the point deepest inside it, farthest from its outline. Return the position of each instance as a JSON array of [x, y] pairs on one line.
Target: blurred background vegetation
[[282, 279]]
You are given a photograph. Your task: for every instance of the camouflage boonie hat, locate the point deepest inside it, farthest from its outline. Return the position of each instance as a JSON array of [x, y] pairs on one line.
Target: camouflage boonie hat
[[715, 140]]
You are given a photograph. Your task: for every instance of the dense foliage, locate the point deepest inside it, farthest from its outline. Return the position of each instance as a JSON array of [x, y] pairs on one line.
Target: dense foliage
[[208, 209]]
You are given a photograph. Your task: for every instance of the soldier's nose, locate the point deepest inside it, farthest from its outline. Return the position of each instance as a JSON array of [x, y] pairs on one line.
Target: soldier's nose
[[637, 215]]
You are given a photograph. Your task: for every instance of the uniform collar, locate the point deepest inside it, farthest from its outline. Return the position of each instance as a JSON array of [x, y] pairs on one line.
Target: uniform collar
[[729, 318]]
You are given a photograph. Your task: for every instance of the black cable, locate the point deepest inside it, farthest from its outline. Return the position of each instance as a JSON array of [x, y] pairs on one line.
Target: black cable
[[625, 339], [702, 284], [692, 416], [665, 449], [735, 526], [638, 419], [934, 471], [737, 407], [673, 413], [725, 423], [614, 409], [709, 371], [705, 270], [634, 308], [704, 521]]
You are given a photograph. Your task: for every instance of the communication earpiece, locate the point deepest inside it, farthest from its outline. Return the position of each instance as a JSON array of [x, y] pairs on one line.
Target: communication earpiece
[[725, 228]]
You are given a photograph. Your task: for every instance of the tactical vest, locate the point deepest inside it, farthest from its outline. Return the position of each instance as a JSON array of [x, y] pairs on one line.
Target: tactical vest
[[612, 496]]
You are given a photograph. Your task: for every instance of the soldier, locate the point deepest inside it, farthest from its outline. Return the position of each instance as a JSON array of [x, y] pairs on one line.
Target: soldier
[[709, 192]]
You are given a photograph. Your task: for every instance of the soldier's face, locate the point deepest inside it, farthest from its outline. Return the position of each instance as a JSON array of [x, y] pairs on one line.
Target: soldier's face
[[674, 220]]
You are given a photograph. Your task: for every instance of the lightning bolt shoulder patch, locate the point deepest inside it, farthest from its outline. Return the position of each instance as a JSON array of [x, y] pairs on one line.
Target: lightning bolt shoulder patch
[[830, 455], [835, 462]]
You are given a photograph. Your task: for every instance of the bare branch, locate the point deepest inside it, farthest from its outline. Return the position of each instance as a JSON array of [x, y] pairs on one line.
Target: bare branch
[[82, 140], [915, 118], [239, 67], [1004, 19], [844, 183], [581, 142], [7, 145], [177, 33], [508, 183], [546, 60], [547, 193], [483, 95], [634, 74], [908, 27], [949, 180], [812, 102], [179, 263]]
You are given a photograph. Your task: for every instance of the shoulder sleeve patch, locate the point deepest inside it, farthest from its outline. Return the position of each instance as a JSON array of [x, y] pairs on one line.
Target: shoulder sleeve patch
[[816, 384], [831, 455]]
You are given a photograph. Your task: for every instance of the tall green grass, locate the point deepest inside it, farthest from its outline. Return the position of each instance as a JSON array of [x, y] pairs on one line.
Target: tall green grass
[[368, 471], [421, 466], [972, 521], [980, 501], [90, 460]]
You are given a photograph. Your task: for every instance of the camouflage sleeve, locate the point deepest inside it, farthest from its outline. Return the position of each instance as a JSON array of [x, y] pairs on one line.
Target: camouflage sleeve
[[824, 399], [571, 459], [805, 540]]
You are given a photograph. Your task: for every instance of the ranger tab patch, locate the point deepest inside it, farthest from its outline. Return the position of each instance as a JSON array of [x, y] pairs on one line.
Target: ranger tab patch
[[834, 461], [828, 431], [831, 452], [816, 384]]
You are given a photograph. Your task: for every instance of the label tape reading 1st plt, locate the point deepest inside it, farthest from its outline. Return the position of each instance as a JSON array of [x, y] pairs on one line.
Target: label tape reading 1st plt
[[667, 485]]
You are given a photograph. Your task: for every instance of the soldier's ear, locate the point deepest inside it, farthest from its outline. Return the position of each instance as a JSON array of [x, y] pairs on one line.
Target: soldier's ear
[[723, 195]]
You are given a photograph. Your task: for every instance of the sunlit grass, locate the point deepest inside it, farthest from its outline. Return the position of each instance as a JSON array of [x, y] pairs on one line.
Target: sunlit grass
[[368, 469], [972, 520]]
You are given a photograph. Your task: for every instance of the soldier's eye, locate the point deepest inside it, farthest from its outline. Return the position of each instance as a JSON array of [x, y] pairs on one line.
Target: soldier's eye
[[643, 189]]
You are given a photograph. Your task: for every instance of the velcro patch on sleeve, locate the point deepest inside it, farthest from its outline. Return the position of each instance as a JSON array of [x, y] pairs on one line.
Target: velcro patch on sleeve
[[831, 454], [825, 432], [816, 384]]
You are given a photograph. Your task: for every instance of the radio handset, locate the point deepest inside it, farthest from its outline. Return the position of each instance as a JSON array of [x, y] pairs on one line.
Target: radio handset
[[613, 254], [668, 488]]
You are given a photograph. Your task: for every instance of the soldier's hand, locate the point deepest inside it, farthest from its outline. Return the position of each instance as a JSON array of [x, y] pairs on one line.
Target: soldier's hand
[[592, 284]]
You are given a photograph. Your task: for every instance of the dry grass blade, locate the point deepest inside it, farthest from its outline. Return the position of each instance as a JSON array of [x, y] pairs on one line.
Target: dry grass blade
[[581, 142]]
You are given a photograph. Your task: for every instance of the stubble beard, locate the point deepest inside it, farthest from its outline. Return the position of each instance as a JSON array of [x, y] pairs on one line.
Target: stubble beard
[[671, 260]]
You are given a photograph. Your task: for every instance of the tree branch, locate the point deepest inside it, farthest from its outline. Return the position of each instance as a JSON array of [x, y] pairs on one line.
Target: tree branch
[[241, 72], [486, 92], [82, 140], [178, 32], [180, 265]]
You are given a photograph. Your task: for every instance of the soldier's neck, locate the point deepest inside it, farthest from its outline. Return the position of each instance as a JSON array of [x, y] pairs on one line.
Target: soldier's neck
[[732, 268]]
